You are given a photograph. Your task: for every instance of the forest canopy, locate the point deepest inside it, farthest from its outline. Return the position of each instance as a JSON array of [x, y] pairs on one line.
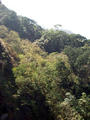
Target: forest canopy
[[44, 74]]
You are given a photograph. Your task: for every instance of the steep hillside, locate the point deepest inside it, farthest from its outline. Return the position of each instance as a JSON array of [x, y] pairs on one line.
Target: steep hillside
[[44, 74], [8, 59], [26, 27]]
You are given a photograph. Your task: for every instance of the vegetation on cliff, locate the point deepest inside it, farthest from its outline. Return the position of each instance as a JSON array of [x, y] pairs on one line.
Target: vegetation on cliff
[[44, 74]]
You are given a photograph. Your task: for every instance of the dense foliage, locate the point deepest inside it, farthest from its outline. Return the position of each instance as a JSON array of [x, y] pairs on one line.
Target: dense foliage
[[48, 79], [56, 41], [26, 27]]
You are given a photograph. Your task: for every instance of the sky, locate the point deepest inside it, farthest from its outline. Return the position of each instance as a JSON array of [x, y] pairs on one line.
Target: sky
[[73, 15]]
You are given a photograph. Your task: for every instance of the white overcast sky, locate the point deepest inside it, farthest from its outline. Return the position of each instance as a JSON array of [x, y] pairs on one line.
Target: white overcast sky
[[73, 15]]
